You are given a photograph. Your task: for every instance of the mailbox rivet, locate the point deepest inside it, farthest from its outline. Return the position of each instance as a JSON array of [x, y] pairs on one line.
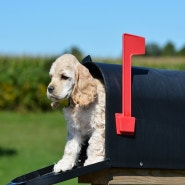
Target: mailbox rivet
[[141, 164]]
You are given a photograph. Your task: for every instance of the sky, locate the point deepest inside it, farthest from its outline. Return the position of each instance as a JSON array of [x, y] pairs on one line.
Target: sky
[[50, 27]]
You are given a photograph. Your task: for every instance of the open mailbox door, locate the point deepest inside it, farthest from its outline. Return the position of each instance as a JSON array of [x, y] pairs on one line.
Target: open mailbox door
[[45, 176]]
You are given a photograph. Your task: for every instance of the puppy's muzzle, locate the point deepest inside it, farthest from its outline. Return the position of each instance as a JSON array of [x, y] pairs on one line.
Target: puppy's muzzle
[[51, 89]]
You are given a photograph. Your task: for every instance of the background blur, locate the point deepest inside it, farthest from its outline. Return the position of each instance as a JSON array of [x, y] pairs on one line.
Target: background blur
[[48, 28], [34, 33]]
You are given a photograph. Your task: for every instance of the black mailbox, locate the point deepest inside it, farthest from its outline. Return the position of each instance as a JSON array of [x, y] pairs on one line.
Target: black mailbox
[[158, 104]]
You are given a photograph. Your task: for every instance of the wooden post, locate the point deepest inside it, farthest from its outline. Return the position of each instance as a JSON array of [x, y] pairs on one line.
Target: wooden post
[[119, 176]]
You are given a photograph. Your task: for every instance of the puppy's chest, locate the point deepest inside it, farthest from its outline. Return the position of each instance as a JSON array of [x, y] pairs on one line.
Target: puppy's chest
[[80, 119]]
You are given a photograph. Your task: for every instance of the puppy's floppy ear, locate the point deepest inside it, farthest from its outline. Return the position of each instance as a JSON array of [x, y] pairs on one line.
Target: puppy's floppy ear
[[85, 89]]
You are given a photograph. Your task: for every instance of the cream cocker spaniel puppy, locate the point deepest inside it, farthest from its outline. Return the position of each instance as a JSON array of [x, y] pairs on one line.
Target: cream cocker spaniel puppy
[[85, 114]]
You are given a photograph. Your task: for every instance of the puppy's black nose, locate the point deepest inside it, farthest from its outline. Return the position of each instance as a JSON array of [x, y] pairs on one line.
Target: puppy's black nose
[[50, 89]]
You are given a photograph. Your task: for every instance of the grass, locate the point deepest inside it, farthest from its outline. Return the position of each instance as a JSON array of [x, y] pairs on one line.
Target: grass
[[29, 142], [174, 63]]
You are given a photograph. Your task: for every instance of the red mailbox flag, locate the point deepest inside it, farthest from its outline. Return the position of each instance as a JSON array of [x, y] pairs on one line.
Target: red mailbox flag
[[131, 45]]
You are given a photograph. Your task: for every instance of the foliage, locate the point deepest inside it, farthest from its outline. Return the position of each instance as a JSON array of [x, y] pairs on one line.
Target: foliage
[[23, 80], [181, 52], [171, 63], [169, 49], [153, 49], [23, 83], [76, 52]]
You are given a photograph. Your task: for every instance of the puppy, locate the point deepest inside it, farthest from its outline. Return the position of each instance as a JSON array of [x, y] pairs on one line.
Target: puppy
[[85, 112]]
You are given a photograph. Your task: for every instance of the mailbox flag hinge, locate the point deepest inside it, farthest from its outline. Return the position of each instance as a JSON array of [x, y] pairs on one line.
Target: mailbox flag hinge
[[131, 45]]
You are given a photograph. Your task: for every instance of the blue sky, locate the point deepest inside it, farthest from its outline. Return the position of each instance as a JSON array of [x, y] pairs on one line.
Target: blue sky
[[43, 27]]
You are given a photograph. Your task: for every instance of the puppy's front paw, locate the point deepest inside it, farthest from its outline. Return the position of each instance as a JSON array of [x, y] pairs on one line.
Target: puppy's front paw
[[62, 165]]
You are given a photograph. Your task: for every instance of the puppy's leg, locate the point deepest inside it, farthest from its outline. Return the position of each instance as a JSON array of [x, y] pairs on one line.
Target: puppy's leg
[[68, 161], [96, 148]]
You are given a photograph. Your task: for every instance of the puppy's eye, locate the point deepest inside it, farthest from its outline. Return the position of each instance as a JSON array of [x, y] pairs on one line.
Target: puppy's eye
[[63, 77], [50, 76]]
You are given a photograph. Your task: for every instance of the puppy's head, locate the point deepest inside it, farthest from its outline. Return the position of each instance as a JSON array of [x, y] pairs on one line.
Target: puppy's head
[[70, 79]]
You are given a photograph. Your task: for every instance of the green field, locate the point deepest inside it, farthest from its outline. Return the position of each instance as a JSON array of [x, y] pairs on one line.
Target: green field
[[173, 63], [30, 141]]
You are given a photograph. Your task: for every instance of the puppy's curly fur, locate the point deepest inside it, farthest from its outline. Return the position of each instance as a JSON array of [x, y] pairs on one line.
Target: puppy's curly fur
[[85, 115]]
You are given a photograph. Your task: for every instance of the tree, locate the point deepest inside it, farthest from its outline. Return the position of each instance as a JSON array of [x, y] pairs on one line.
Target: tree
[[181, 52], [152, 49], [76, 52], [169, 49]]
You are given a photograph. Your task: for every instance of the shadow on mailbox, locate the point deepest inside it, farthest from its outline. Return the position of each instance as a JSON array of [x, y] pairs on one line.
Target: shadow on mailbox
[[158, 104]]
